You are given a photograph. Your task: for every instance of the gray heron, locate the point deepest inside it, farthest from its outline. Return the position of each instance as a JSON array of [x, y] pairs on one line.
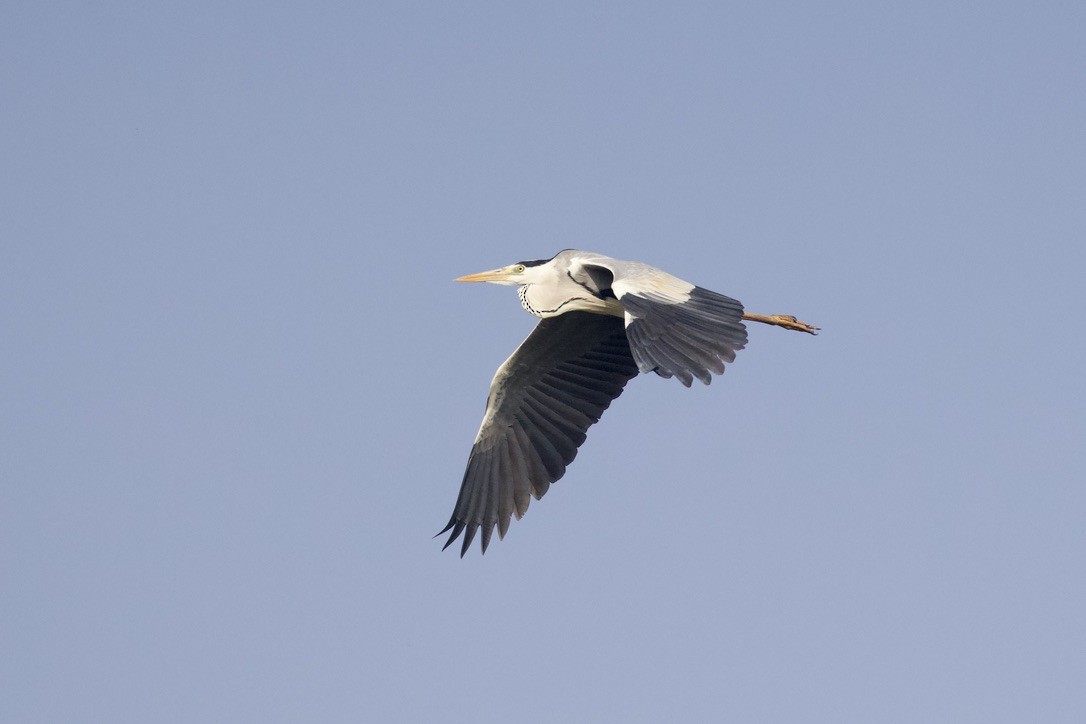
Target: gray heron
[[602, 321]]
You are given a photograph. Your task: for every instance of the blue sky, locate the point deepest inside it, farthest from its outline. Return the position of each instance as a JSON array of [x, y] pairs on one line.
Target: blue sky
[[239, 385]]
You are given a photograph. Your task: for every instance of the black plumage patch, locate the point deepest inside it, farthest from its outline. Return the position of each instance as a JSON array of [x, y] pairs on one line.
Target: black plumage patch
[[594, 288]]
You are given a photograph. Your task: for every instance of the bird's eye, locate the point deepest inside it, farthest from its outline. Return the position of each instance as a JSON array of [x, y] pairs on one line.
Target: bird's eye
[[518, 269]]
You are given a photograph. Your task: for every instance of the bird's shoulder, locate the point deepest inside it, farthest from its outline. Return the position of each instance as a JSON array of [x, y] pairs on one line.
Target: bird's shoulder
[[627, 277]]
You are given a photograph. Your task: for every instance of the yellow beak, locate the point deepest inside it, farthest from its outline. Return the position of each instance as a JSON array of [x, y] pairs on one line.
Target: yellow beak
[[494, 275]]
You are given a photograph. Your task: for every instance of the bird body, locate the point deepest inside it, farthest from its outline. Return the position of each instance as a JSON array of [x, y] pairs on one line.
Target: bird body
[[547, 290], [602, 321]]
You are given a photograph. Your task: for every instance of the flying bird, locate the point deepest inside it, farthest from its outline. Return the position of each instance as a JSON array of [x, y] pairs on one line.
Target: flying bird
[[602, 321]]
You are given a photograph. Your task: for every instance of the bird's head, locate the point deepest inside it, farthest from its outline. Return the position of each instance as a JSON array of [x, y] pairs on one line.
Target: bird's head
[[523, 272]]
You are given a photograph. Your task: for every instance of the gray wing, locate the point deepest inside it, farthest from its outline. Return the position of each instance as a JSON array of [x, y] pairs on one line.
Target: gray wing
[[675, 329], [542, 401]]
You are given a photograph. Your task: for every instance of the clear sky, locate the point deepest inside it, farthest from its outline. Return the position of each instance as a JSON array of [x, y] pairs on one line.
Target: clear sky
[[238, 384]]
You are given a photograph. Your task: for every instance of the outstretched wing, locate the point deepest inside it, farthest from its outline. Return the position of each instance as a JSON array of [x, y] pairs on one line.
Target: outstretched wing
[[542, 400], [675, 329]]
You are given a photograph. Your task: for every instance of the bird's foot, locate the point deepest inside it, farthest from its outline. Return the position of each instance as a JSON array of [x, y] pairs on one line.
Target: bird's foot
[[782, 320]]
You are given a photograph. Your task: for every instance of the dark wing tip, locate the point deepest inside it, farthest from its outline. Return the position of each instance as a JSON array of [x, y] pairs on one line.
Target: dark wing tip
[[488, 530], [468, 529], [456, 526], [469, 536]]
